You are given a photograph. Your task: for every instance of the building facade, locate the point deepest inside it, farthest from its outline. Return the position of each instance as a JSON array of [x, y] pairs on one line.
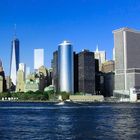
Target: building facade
[[8, 83], [127, 60], [14, 62], [20, 81], [108, 66], [55, 78], [86, 72], [1, 84], [65, 67], [76, 73], [22, 67], [2, 74], [101, 56], [38, 58]]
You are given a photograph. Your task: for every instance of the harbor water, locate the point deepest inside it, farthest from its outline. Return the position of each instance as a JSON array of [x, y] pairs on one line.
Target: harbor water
[[69, 121]]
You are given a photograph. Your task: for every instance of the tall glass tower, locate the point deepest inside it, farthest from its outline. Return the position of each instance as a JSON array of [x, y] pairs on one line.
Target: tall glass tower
[[65, 67], [14, 63]]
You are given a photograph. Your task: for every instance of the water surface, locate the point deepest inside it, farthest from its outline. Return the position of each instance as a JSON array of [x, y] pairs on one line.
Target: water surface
[[82, 121]]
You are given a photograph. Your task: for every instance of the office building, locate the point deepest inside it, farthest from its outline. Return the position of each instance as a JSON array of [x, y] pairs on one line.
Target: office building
[[107, 78], [108, 66], [2, 74], [43, 77], [86, 72], [55, 78], [14, 62], [50, 74], [127, 60], [20, 81], [38, 58], [108, 84], [8, 82], [65, 67], [22, 67], [113, 54], [1, 84], [76, 74], [101, 56]]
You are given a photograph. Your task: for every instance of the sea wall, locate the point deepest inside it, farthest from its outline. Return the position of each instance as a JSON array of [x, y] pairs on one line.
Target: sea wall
[[86, 98]]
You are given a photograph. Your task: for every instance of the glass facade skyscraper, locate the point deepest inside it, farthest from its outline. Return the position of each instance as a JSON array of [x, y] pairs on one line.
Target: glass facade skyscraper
[[14, 62], [65, 66]]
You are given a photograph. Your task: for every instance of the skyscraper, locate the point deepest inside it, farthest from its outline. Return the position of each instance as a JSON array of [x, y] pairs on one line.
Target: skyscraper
[[114, 54], [20, 81], [2, 74], [1, 84], [65, 66], [76, 73], [101, 56], [22, 67], [86, 72], [55, 71], [38, 58], [127, 60], [14, 64]]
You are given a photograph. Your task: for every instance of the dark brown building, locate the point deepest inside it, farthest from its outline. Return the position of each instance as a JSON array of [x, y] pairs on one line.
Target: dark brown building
[[55, 76], [86, 72]]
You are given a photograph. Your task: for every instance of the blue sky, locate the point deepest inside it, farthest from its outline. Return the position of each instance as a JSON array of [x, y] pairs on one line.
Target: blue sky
[[46, 23]]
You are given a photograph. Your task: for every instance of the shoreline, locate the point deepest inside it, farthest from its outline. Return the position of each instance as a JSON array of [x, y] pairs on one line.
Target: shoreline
[[75, 102], [28, 101]]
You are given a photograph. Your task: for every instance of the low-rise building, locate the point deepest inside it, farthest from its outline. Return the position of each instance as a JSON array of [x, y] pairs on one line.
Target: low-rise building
[[31, 86]]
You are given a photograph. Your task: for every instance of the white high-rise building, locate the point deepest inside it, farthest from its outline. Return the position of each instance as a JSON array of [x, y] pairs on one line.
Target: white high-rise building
[[38, 58], [22, 67], [101, 56]]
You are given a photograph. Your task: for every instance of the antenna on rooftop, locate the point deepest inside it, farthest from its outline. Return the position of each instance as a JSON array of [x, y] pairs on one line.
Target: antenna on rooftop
[[15, 33]]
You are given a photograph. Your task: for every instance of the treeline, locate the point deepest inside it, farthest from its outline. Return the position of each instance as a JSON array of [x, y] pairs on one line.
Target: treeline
[[38, 95], [30, 95]]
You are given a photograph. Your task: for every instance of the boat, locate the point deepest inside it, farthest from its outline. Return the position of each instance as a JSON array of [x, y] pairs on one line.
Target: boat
[[61, 103]]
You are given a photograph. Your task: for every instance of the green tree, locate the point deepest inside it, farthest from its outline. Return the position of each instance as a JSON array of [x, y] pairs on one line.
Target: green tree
[[65, 95]]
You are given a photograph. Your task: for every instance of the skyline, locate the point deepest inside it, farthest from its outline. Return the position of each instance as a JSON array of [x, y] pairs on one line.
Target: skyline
[[46, 23]]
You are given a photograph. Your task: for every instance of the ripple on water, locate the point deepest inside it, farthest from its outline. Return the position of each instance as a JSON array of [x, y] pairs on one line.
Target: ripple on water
[[69, 121]]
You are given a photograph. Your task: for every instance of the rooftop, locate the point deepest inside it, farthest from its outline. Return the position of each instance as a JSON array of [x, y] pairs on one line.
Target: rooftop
[[125, 29], [65, 42]]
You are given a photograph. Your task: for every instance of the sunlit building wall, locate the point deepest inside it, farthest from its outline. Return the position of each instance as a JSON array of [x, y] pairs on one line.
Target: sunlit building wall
[[38, 58], [127, 57]]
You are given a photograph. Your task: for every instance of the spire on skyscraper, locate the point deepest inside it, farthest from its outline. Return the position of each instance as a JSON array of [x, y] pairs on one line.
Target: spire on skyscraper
[[97, 48], [15, 33]]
